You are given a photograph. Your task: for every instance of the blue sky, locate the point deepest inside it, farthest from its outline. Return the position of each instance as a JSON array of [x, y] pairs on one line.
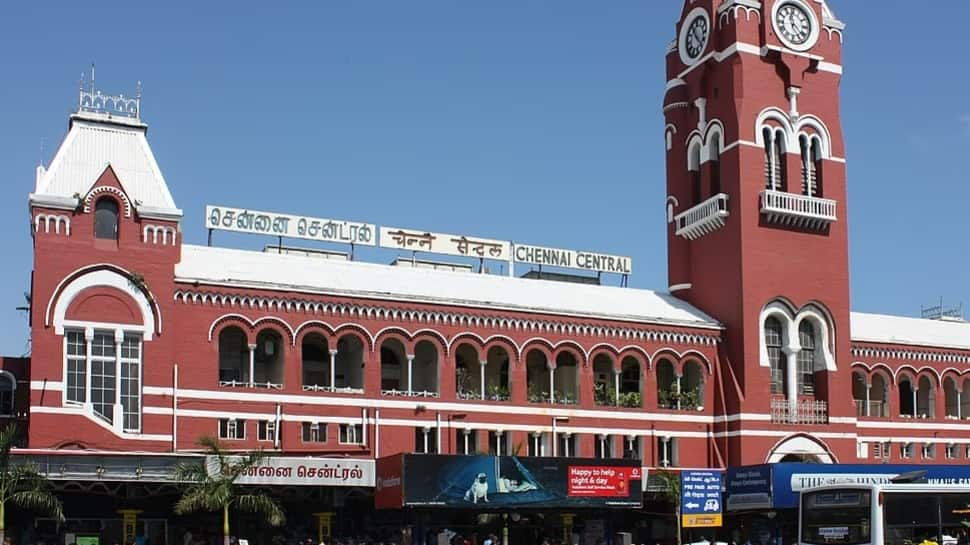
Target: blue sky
[[537, 121]]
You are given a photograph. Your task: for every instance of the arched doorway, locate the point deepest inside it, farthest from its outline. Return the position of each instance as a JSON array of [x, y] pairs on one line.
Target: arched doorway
[[800, 448]]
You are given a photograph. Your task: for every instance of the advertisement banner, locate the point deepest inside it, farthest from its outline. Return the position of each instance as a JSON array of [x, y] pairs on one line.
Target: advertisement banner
[[600, 481], [777, 486], [748, 488], [389, 485], [275, 470], [498, 482], [700, 502]]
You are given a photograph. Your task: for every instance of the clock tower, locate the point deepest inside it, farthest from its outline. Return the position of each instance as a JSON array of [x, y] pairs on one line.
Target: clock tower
[[756, 214]]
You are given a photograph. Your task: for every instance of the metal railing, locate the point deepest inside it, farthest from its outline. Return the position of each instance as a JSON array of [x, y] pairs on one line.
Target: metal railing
[[794, 210], [703, 218], [244, 384], [405, 393], [332, 389], [803, 411]]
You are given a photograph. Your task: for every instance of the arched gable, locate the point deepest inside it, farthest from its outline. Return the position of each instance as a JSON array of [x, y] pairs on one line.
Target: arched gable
[[801, 444], [107, 276]]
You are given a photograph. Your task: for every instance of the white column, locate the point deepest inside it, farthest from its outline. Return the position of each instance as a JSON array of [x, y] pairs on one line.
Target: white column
[[466, 432], [868, 388], [602, 440], [88, 338], [791, 377], [915, 392], [555, 438], [424, 433], [552, 384], [959, 405], [252, 364], [680, 391], [793, 101], [410, 372], [498, 442], [616, 387], [116, 414], [481, 377], [437, 434], [565, 444], [333, 369], [664, 451]]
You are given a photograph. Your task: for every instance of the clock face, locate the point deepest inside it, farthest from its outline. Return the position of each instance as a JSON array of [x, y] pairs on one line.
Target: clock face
[[696, 37], [793, 24]]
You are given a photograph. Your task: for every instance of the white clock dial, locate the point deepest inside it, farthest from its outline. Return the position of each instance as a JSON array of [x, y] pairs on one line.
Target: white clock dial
[[695, 32], [696, 37], [794, 24]]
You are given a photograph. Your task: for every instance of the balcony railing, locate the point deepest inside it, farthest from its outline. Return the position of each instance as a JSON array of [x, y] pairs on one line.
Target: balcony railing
[[703, 218], [877, 409], [405, 393], [799, 211], [803, 411], [243, 384], [332, 389]]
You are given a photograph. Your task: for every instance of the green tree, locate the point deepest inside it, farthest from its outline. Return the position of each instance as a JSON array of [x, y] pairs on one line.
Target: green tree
[[217, 490], [671, 493], [22, 485]]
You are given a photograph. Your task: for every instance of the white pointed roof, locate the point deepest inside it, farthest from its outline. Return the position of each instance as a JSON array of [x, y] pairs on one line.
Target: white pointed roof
[[94, 142]]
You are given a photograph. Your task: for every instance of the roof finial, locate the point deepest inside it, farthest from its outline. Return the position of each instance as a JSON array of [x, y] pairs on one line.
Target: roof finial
[[92, 77]]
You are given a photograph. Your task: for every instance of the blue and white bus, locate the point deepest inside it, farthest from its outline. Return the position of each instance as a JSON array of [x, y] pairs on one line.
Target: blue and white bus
[[885, 514]]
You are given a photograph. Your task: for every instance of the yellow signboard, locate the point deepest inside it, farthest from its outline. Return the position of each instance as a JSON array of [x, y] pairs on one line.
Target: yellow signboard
[[701, 521]]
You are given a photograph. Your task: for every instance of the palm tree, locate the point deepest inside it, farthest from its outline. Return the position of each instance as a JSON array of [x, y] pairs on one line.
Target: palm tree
[[216, 490], [671, 494], [22, 485]]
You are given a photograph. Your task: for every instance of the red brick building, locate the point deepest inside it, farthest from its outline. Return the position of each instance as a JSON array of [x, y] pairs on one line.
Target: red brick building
[[142, 342]]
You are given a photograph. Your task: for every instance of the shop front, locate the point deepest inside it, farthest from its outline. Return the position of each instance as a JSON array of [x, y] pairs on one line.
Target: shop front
[[115, 499], [761, 501], [452, 499]]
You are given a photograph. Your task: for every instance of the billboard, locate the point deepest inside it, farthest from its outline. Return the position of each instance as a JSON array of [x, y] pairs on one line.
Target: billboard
[[777, 486], [497, 482]]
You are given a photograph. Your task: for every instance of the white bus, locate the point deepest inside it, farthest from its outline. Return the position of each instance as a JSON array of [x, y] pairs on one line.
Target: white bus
[[885, 514]]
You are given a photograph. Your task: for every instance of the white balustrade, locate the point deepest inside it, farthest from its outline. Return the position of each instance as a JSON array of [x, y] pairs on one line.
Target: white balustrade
[[703, 218], [800, 211]]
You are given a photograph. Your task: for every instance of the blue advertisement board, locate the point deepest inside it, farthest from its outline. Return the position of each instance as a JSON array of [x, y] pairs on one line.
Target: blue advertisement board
[[700, 498], [748, 488], [776, 486]]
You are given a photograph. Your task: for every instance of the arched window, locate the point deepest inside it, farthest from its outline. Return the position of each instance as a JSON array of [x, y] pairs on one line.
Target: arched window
[[816, 157], [106, 218], [806, 358], [766, 135], [811, 154], [715, 164], [776, 358], [694, 167], [7, 388], [779, 156], [233, 356], [775, 175]]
